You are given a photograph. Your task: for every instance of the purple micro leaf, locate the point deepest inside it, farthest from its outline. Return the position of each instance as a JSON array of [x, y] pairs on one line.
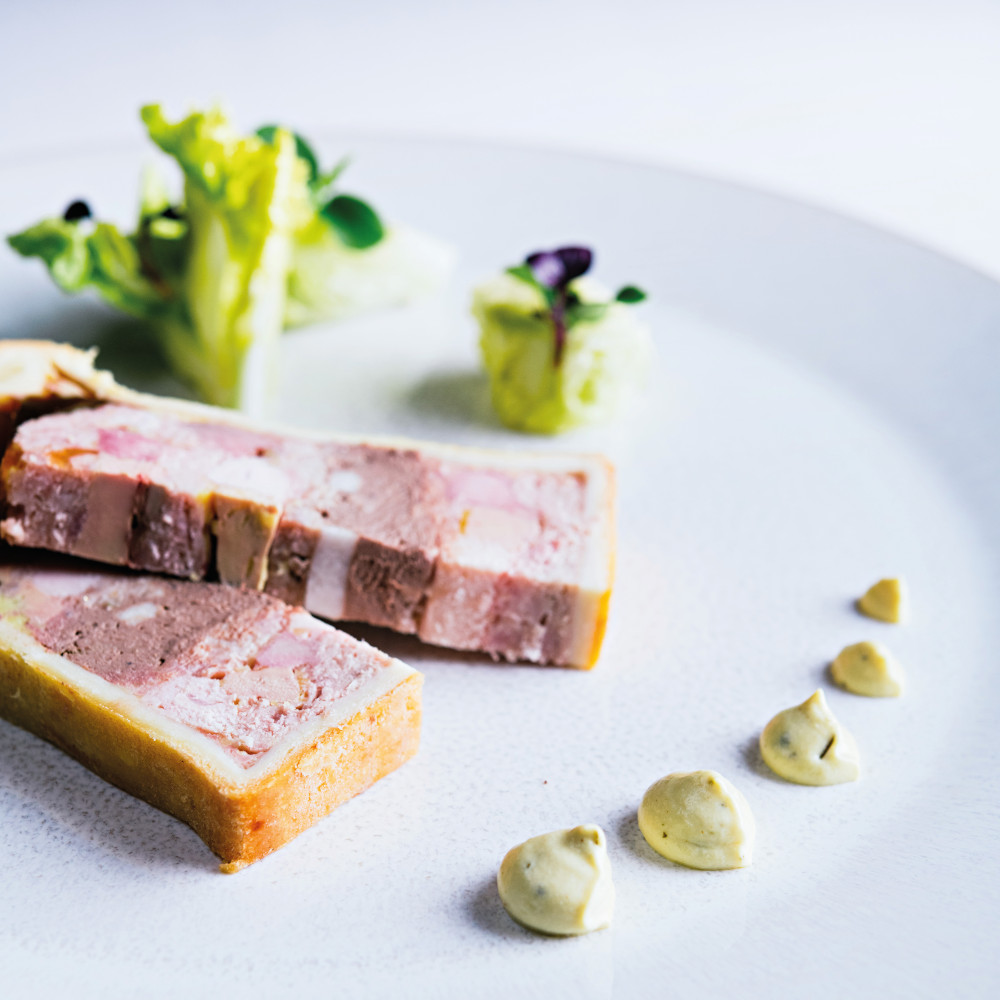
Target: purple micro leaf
[[554, 270], [575, 261], [547, 268]]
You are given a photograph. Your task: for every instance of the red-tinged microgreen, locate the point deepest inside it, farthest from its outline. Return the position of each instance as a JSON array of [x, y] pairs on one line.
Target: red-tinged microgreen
[[551, 272]]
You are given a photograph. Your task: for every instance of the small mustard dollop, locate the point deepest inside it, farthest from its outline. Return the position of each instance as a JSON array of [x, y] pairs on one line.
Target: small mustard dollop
[[868, 668], [886, 601], [806, 744], [559, 883], [698, 819]]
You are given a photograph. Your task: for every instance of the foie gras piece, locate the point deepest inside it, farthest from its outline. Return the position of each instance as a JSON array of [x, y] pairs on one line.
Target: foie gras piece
[[244, 717], [510, 553]]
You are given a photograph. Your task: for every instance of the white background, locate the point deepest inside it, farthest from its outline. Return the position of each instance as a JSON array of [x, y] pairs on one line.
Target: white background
[[884, 109]]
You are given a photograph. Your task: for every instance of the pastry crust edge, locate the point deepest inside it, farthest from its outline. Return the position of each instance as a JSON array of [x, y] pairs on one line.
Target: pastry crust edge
[[240, 822]]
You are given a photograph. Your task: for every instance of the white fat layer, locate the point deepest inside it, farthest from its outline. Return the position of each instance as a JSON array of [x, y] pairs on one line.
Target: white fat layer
[[252, 477], [344, 481], [207, 754], [491, 535], [326, 591], [598, 551], [138, 613], [64, 583]]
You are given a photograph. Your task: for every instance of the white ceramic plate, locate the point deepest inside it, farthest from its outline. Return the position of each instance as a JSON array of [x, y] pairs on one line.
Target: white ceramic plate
[[824, 412]]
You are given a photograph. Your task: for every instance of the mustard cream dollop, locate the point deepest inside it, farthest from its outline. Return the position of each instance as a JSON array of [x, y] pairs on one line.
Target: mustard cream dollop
[[698, 819], [806, 744], [560, 882], [868, 668], [886, 601]]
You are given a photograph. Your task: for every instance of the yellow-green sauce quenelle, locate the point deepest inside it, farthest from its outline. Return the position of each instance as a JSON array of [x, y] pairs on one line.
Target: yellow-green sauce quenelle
[[806, 744], [698, 819], [887, 601], [559, 883], [868, 668]]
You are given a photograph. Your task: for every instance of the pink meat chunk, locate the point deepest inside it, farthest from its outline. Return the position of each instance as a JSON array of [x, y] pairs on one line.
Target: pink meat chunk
[[236, 664], [464, 555], [508, 548]]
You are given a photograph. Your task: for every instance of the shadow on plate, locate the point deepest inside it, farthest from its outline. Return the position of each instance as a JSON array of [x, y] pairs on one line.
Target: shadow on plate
[[72, 811], [753, 760], [455, 397], [627, 828], [488, 913], [412, 651], [409, 648]]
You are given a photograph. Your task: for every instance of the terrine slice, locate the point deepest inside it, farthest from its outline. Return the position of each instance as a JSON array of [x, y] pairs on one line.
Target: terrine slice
[[510, 553], [244, 717]]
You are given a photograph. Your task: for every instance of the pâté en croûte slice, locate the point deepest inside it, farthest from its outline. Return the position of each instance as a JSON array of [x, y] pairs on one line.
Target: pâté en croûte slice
[[244, 717], [509, 553]]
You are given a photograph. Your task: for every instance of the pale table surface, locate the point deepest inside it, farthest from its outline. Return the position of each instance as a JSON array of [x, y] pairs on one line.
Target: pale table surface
[[883, 110]]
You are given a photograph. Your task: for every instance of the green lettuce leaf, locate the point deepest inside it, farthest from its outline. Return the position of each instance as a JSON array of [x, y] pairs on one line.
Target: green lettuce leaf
[[80, 256], [243, 198], [258, 241], [209, 271]]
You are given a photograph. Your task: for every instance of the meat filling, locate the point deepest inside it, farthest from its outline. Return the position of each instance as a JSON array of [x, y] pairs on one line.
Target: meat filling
[[236, 664], [464, 556]]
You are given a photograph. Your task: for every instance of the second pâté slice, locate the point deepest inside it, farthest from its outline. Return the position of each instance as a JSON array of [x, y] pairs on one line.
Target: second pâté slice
[[245, 718], [510, 553]]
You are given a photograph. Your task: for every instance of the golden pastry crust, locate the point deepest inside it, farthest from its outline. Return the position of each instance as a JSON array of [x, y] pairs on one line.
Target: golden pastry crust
[[603, 597], [242, 821]]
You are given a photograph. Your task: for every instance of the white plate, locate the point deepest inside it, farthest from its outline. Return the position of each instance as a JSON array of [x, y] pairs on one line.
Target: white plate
[[825, 412]]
